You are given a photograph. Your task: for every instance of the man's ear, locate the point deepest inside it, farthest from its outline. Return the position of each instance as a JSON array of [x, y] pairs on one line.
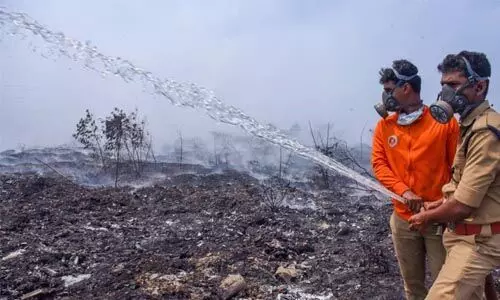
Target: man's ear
[[481, 87], [407, 88]]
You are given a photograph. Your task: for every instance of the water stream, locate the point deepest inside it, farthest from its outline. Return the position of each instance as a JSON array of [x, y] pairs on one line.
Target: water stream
[[179, 94]]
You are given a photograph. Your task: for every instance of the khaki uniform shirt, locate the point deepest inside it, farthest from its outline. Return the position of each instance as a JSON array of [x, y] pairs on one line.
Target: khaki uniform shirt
[[475, 181]]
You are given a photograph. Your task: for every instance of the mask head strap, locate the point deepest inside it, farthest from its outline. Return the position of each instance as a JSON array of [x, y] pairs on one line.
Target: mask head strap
[[403, 77], [473, 76]]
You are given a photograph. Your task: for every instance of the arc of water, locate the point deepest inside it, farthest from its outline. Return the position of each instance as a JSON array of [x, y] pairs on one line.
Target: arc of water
[[179, 94]]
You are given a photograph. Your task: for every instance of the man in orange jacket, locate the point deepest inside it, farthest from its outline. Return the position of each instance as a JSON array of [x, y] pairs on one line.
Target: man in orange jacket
[[412, 156]]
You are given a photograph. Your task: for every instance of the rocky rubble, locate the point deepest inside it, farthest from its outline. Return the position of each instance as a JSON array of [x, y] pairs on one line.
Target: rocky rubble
[[190, 237]]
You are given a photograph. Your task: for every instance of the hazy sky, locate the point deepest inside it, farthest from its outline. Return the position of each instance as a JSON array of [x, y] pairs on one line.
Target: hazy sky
[[279, 61]]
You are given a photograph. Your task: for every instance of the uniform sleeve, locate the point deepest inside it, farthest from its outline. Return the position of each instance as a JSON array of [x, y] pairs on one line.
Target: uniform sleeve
[[381, 167], [481, 166], [452, 141]]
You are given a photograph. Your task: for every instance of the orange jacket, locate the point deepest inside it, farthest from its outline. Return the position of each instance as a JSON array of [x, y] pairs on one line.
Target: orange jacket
[[416, 157]]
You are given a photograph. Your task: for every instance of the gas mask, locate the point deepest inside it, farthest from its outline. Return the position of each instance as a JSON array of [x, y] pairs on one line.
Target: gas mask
[[451, 101], [389, 102]]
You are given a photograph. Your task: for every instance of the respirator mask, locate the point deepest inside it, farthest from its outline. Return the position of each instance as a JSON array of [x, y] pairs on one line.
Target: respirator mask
[[389, 102], [451, 101]]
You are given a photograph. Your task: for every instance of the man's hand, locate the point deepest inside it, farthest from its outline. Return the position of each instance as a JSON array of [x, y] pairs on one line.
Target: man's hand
[[413, 201], [419, 221], [433, 204]]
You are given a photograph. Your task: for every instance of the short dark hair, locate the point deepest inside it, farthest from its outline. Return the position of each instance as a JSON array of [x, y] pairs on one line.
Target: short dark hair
[[403, 67], [478, 62]]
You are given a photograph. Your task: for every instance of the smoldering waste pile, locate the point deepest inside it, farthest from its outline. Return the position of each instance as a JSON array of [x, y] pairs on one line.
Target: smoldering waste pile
[[190, 237]]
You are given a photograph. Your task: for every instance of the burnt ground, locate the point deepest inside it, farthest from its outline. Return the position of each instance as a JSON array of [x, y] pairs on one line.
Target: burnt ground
[[181, 238]]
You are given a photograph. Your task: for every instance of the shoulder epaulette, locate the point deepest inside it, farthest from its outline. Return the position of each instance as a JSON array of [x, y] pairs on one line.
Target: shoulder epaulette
[[489, 120]]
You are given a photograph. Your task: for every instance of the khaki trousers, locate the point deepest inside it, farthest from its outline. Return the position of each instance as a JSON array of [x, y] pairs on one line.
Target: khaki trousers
[[469, 260], [411, 249]]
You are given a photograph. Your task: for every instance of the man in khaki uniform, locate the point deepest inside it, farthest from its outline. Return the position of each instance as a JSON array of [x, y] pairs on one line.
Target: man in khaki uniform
[[471, 203]]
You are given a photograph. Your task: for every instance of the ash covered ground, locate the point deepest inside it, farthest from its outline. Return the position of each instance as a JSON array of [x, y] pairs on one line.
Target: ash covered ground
[[190, 236], [181, 238]]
